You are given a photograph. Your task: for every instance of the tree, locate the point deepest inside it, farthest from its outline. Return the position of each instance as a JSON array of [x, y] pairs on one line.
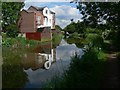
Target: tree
[[99, 14], [78, 27], [10, 14], [71, 28], [57, 27], [95, 13]]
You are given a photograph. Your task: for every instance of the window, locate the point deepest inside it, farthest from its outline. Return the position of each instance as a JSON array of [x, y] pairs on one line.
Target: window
[[38, 19], [46, 11], [50, 20]]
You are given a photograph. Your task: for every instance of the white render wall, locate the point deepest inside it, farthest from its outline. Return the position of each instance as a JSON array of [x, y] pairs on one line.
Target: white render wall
[[49, 17]]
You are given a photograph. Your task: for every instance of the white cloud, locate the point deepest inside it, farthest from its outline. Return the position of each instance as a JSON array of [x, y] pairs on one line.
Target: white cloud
[[64, 13]]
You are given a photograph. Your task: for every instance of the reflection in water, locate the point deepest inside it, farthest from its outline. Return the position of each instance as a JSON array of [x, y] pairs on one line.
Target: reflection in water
[[60, 55], [33, 61], [41, 57], [65, 51], [29, 68], [13, 75]]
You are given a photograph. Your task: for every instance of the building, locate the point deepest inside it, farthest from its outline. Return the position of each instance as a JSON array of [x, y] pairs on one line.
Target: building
[[37, 23]]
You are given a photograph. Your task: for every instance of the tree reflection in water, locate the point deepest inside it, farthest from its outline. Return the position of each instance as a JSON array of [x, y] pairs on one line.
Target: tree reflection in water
[[41, 57]]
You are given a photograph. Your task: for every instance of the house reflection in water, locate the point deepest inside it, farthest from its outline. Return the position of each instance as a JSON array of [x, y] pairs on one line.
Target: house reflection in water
[[41, 57]]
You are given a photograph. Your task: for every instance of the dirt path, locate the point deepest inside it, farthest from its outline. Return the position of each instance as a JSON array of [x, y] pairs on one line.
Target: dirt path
[[111, 75]]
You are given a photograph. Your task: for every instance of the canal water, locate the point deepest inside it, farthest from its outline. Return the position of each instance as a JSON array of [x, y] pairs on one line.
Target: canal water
[[34, 67]]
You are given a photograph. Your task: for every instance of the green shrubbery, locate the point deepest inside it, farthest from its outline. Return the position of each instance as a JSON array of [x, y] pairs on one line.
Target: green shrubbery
[[85, 72], [94, 40], [56, 37], [18, 41], [12, 31]]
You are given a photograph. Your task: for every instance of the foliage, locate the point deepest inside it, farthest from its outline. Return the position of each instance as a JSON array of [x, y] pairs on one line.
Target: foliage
[[95, 10], [103, 15], [92, 30], [75, 35], [84, 72], [75, 27], [18, 42], [56, 37], [10, 16], [79, 42], [57, 27], [94, 40], [12, 31], [70, 28]]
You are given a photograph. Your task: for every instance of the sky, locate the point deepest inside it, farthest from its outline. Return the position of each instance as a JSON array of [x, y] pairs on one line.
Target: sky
[[64, 11]]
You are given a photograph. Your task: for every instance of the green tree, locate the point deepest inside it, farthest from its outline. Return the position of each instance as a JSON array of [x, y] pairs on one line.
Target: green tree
[[57, 27], [10, 15], [104, 15], [71, 28], [78, 27]]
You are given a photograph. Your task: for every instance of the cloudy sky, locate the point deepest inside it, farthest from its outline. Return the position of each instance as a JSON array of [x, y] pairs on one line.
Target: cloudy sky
[[64, 10]]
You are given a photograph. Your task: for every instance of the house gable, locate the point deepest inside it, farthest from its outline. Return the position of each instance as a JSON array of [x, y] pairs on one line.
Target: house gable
[[26, 21], [32, 8]]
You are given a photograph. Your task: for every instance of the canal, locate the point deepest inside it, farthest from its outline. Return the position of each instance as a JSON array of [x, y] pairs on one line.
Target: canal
[[33, 67]]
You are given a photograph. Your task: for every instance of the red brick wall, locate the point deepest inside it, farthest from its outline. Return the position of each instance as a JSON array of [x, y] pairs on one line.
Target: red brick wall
[[33, 36], [27, 23], [38, 13]]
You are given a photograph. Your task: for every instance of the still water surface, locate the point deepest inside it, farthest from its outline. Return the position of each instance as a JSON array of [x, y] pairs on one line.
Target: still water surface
[[43, 63]]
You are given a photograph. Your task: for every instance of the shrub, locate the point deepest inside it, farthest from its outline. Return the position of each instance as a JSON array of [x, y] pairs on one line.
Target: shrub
[[75, 35], [91, 30], [94, 40], [84, 72]]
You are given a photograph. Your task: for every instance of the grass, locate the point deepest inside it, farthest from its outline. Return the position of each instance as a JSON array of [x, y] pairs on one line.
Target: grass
[[20, 41]]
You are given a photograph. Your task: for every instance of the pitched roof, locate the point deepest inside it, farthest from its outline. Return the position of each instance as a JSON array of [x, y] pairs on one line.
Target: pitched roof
[[27, 11], [38, 8], [41, 8], [52, 12]]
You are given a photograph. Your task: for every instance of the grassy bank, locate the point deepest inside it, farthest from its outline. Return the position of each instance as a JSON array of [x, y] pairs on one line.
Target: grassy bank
[[85, 72], [21, 41]]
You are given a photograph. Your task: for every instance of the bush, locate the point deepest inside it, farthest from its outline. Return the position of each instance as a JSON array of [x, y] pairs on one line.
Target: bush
[[91, 30], [75, 35], [85, 72], [94, 40], [56, 37], [18, 41]]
